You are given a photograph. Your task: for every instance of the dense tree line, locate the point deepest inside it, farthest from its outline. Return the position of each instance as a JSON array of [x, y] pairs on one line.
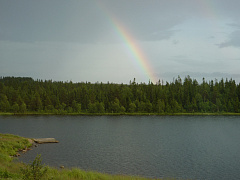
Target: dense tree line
[[22, 95]]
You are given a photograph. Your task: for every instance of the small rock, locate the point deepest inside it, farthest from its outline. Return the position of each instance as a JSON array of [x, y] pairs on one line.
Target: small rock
[[16, 155], [30, 141], [62, 167]]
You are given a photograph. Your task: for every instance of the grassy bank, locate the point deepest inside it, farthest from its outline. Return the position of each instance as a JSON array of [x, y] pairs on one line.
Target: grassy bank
[[10, 168], [9, 147]]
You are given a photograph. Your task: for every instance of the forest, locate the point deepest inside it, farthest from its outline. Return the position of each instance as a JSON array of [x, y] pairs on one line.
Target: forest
[[22, 95]]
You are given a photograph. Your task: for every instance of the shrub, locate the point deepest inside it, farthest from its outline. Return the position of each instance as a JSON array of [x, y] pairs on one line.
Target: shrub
[[34, 170], [4, 173]]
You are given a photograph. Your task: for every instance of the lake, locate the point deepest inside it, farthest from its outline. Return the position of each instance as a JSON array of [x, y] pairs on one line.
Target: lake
[[181, 147]]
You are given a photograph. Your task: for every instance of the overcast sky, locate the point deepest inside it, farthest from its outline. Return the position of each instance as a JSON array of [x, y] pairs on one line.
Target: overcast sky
[[78, 39]]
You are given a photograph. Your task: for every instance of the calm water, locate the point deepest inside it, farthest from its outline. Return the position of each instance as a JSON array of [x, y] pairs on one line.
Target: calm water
[[193, 147]]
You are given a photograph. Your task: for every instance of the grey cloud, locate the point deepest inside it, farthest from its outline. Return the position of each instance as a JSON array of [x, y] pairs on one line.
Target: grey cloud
[[175, 42], [187, 61], [234, 25], [160, 35], [211, 37], [30, 21], [91, 21], [234, 40], [65, 61], [86, 21], [234, 37]]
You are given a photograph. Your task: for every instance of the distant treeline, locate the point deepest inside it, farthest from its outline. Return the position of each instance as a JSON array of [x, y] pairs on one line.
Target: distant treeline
[[25, 95]]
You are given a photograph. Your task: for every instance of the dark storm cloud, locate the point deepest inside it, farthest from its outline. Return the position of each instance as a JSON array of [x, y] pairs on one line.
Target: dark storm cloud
[[49, 21], [86, 21], [90, 21]]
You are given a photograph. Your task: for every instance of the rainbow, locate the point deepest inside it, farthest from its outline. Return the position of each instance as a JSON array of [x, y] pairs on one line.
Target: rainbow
[[208, 8], [131, 45]]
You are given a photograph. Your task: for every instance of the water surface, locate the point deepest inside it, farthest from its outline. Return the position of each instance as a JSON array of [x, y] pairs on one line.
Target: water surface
[[193, 147]]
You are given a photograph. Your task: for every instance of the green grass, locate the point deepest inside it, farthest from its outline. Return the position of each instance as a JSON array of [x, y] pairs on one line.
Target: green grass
[[75, 173], [9, 169], [9, 146], [128, 114], [4, 113]]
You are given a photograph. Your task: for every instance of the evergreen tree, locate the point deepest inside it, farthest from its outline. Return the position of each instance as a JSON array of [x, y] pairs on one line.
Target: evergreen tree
[[4, 103], [26, 95]]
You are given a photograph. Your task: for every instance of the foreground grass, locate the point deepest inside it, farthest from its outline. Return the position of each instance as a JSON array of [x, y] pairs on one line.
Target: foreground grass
[[11, 169]]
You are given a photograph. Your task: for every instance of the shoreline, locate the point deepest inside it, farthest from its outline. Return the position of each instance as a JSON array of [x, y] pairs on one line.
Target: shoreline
[[120, 114], [10, 168]]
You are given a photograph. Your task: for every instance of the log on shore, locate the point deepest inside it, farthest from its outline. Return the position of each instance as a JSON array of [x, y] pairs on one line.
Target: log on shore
[[45, 140]]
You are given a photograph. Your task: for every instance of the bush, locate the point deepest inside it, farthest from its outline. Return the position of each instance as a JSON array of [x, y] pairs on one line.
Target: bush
[[34, 170], [5, 174]]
